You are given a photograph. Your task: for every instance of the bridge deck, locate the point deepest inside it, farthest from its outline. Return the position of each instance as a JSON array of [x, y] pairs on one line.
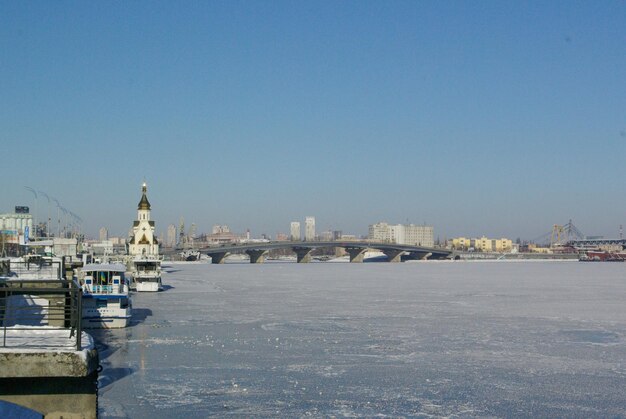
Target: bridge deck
[[303, 248]]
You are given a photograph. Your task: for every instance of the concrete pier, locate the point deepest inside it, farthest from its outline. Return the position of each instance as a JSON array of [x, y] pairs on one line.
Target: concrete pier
[[303, 254], [218, 258], [356, 254], [58, 397], [47, 363], [256, 256], [393, 255], [56, 382], [424, 255]]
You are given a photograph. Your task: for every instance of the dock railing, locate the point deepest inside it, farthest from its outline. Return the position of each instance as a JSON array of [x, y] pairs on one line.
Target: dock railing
[[36, 268], [40, 313]]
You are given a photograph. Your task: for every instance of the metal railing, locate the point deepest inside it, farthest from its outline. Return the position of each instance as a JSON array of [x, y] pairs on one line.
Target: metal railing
[[104, 289], [36, 269], [40, 314]]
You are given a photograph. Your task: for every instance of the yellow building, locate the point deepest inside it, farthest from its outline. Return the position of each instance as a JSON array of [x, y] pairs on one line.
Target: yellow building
[[503, 245], [533, 248], [483, 244], [461, 243]]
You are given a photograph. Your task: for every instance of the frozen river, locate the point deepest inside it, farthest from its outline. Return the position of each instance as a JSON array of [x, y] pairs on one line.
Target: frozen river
[[426, 339]]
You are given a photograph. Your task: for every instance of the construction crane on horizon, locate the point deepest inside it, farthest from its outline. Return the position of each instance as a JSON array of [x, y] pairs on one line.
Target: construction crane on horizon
[[560, 235]]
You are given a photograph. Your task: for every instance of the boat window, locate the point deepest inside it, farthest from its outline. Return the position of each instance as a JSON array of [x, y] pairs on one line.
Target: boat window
[[101, 303], [123, 303]]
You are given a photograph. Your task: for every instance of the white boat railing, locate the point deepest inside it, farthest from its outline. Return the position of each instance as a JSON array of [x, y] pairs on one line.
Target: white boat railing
[[147, 274], [99, 289], [105, 289]]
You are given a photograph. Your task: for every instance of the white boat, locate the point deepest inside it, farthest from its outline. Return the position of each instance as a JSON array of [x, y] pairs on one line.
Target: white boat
[[147, 274], [106, 301], [190, 255]]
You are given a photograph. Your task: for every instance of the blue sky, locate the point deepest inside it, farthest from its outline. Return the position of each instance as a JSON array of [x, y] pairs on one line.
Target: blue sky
[[487, 117]]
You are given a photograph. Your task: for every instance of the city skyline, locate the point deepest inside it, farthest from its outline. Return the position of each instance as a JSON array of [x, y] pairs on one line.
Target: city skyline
[[499, 119], [173, 233]]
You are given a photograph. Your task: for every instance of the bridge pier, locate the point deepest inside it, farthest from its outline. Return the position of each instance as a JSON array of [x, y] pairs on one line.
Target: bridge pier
[[421, 255], [218, 257], [356, 254], [393, 255], [256, 255], [303, 254]]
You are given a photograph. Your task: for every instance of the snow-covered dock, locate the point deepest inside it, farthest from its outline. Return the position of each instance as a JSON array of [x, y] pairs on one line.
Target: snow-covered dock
[[47, 363], [45, 352]]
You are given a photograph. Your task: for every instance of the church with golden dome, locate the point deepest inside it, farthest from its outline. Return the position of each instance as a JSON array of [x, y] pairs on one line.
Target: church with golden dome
[[142, 241]]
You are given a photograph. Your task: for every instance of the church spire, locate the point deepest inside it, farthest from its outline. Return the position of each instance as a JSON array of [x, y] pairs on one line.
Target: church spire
[[144, 204]]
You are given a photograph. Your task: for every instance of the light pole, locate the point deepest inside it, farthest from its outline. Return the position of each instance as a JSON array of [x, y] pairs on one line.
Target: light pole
[[48, 220], [64, 222], [58, 216], [79, 225], [35, 215], [74, 224]]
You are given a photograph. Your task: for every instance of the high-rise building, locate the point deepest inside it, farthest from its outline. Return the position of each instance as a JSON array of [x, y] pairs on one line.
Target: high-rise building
[[104, 234], [16, 221], [16, 227], [295, 231], [222, 234], [326, 236], [379, 232], [219, 229], [171, 236], [309, 228], [419, 235], [402, 234]]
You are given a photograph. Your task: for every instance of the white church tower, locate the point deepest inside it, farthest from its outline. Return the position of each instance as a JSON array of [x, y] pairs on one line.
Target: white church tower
[[142, 240]]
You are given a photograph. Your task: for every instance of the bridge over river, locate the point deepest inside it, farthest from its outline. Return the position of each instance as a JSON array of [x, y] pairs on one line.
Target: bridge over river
[[303, 249]]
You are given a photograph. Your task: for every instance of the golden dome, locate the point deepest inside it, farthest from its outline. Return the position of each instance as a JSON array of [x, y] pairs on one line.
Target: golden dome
[[144, 204]]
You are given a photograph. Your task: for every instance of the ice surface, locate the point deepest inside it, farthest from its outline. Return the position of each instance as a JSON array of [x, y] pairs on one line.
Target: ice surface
[[433, 339]]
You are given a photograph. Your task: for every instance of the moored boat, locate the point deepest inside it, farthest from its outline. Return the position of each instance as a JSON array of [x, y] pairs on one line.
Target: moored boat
[[190, 255], [602, 256], [147, 274], [106, 299]]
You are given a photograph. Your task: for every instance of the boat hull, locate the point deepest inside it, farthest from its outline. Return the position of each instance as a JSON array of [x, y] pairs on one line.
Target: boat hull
[[105, 322], [600, 256], [147, 274], [148, 286], [106, 311]]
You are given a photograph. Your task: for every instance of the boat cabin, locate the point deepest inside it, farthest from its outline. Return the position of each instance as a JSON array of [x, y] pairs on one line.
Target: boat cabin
[[105, 279], [147, 265]]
